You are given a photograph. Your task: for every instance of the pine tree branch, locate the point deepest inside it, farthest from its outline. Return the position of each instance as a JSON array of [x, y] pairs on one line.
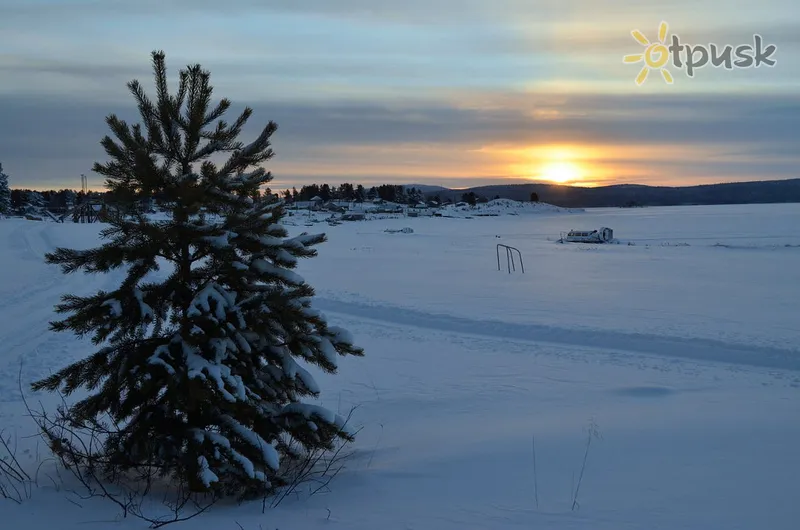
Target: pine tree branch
[[252, 154]]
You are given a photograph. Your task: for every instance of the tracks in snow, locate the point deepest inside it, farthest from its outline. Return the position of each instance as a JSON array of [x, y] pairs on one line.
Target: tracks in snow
[[662, 346], [26, 308]]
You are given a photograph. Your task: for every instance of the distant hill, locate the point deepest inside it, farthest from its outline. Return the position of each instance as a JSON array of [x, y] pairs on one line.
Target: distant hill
[[426, 188], [758, 192]]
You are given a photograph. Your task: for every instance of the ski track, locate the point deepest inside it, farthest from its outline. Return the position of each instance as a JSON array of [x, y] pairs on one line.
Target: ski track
[[37, 352], [694, 349], [29, 349]]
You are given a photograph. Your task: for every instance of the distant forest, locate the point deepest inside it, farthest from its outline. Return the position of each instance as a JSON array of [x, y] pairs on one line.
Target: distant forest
[[626, 195], [60, 200], [386, 192], [53, 200]]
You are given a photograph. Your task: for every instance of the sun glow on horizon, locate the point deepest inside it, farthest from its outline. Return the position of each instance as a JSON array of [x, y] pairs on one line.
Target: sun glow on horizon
[[560, 172], [559, 165], [565, 164]]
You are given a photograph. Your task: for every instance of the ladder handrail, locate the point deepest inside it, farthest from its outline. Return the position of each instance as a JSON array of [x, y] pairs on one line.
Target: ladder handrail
[[510, 258]]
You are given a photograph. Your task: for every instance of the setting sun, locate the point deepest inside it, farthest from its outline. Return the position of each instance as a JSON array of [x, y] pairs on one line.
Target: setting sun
[[571, 164], [560, 172]]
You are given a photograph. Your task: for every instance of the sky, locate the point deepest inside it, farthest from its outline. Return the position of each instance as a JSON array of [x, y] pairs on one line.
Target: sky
[[442, 92]]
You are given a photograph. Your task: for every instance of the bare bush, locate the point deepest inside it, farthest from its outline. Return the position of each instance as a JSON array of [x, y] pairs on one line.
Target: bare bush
[[15, 483], [315, 468], [592, 432], [75, 448]]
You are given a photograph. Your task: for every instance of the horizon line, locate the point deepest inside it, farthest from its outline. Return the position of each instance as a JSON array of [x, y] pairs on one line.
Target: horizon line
[[445, 188]]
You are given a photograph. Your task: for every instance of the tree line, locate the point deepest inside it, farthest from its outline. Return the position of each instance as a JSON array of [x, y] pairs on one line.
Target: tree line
[[355, 192], [61, 200], [386, 192], [53, 199]]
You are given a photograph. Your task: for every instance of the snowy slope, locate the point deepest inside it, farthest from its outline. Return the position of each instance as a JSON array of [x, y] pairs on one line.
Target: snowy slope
[[389, 210], [499, 207], [682, 348]]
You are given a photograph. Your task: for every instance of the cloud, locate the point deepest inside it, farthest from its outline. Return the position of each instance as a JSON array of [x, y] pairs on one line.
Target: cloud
[[421, 11], [410, 11], [446, 139], [317, 48], [597, 118], [421, 87]]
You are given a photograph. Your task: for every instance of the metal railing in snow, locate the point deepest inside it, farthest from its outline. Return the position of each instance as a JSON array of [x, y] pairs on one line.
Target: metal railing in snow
[[510, 258]]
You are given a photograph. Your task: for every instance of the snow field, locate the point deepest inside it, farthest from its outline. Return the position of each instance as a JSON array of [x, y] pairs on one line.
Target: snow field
[[681, 348]]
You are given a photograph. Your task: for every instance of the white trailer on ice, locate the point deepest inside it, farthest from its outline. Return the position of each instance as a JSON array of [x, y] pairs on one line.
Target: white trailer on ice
[[603, 235]]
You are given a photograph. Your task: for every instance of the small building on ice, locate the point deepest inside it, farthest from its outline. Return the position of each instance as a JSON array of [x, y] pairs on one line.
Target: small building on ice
[[603, 235]]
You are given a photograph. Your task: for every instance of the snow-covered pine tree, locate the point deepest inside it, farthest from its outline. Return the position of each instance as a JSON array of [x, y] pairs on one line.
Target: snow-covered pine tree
[[34, 203], [5, 193], [201, 365]]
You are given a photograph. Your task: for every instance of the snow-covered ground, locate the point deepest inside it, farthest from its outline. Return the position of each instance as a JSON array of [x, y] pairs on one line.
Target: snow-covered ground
[[680, 344], [389, 210]]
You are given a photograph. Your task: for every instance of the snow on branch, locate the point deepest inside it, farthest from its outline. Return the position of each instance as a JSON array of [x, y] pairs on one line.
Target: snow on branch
[[223, 442], [224, 299], [157, 358], [206, 476], [115, 307], [268, 452], [341, 334], [146, 310], [222, 240], [309, 412], [201, 368], [292, 370], [286, 275]]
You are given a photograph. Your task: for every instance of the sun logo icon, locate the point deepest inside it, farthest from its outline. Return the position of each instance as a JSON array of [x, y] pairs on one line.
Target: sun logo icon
[[655, 55]]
